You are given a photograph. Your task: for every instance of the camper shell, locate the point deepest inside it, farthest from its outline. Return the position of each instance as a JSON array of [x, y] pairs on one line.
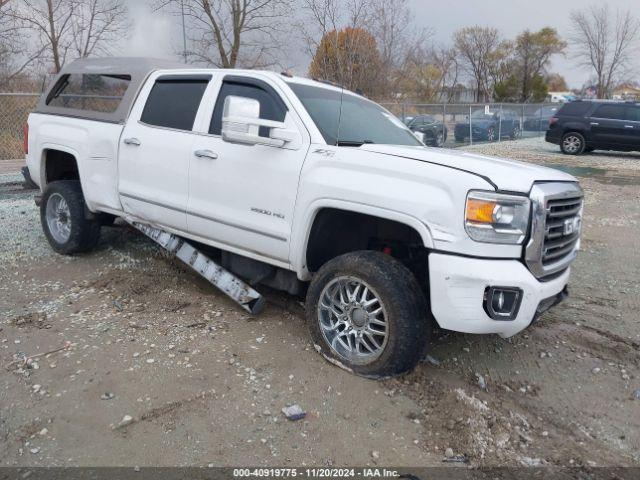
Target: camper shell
[[106, 106]]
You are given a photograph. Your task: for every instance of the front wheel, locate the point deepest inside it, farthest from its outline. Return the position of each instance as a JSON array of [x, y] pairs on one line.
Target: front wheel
[[439, 140], [572, 143], [62, 214], [366, 312]]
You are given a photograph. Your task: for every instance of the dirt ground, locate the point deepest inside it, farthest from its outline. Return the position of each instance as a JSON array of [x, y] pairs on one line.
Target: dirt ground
[[204, 383]]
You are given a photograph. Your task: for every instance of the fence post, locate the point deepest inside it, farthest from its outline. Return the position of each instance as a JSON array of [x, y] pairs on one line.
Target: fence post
[[470, 128], [500, 124], [540, 122], [522, 121], [444, 123]]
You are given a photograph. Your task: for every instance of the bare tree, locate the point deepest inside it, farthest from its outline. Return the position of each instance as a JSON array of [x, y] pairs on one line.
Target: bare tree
[[476, 47], [605, 43], [402, 46], [50, 22], [231, 33], [60, 29], [97, 26]]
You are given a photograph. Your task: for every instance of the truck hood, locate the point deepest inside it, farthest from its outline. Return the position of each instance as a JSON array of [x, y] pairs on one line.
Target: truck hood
[[507, 175]]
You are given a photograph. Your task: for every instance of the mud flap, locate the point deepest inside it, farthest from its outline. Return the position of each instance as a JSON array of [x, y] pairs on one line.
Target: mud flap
[[232, 286]]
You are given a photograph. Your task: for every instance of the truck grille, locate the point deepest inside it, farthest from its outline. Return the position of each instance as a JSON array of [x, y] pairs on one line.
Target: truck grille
[[555, 229], [557, 243]]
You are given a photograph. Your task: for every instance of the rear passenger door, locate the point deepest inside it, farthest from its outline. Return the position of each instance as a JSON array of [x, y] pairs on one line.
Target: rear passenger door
[[156, 147], [608, 124]]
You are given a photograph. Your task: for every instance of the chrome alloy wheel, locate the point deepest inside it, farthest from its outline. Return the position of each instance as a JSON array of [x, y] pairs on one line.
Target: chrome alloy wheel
[[58, 218], [572, 143], [353, 320]]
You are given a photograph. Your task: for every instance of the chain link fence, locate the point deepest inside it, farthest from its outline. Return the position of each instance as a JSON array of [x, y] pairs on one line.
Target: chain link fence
[[454, 125], [14, 110], [447, 125]]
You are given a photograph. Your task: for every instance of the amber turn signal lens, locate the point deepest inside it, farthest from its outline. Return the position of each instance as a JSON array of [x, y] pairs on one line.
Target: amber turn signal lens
[[480, 211]]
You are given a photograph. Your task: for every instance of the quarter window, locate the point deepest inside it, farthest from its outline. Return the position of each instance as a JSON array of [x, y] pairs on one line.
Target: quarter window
[[271, 105], [615, 112], [174, 101]]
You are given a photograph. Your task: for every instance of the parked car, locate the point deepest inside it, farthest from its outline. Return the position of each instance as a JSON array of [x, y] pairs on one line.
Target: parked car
[[586, 125], [308, 188], [539, 120], [434, 132], [489, 126]]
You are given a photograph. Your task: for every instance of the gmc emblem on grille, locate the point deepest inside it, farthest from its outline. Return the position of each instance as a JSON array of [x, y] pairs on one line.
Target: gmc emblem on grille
[[571, 226]]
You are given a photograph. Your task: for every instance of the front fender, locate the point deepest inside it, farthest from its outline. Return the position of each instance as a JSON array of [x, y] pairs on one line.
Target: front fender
[[300, 239]]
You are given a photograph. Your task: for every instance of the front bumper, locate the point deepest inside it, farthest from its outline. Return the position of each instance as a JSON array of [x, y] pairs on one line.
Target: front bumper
[[458, 284]]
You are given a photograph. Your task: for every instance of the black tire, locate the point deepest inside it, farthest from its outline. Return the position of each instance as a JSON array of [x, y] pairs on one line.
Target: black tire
[[439, 139], [405, 307], [84, 233], [572, 143]]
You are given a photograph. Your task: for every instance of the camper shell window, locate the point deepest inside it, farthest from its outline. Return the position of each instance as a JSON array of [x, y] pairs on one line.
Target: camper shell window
[[93, 92]]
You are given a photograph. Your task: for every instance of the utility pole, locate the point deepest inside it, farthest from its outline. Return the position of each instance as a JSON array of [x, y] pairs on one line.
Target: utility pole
[[184, 33]]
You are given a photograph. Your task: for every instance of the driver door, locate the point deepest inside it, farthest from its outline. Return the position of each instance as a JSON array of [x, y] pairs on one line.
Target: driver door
[[242, 197]]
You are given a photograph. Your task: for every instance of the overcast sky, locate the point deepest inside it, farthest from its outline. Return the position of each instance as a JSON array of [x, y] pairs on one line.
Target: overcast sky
[[159, 35]]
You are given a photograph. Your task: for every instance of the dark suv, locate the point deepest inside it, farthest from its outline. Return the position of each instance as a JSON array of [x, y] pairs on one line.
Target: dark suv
[[583, 126]]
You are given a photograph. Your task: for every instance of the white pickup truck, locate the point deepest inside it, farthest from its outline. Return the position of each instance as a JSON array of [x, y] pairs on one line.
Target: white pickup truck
[[305, 186]]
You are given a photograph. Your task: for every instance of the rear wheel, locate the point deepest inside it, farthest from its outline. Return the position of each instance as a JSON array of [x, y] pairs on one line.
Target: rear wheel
[[62, 214], [572, 143], [366, 311], [491, 134]]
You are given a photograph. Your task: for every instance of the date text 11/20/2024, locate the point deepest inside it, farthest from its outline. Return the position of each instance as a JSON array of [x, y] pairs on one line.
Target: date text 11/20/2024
[[316, 472]]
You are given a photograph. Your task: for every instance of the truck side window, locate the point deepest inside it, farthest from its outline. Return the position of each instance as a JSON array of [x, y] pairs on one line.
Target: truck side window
[[174, 101], [271, 105]]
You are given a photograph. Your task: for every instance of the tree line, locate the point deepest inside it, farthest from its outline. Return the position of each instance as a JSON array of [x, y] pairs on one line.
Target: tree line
[[372, 46]]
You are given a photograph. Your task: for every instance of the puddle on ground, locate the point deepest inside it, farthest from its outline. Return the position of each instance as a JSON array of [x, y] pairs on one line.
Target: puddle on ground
[[601, 175]]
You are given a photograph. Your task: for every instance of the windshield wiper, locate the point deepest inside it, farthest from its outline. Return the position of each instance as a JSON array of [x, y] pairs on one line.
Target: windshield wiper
[[352, 143]]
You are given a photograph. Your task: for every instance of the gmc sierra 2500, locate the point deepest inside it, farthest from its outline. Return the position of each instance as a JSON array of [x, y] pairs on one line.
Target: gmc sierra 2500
[[303, 185]]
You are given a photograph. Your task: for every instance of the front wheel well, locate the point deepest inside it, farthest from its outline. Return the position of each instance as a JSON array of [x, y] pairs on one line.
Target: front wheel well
[[336, 232], [60, 165]]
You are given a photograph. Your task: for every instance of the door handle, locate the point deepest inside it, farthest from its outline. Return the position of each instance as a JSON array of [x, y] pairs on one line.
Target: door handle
[[132, 141], [595, 124], [628, 126], [206, 154]]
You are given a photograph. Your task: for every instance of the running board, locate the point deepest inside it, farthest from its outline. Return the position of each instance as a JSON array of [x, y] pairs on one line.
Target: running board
[[236, 289]]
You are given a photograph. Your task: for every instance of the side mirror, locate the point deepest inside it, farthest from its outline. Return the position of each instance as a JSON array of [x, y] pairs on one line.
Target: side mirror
[[241, 123]]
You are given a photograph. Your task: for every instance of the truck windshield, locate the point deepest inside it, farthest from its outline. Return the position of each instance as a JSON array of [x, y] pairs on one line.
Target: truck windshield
[[350, 120]]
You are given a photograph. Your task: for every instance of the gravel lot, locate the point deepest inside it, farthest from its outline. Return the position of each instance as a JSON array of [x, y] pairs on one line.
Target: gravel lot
[[199, 382]]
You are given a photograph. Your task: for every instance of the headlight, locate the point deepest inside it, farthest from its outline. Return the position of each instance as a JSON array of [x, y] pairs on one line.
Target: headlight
[[496, 217]]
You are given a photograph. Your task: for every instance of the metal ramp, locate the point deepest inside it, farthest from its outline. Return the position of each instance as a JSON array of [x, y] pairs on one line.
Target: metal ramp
[[232, 286]]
